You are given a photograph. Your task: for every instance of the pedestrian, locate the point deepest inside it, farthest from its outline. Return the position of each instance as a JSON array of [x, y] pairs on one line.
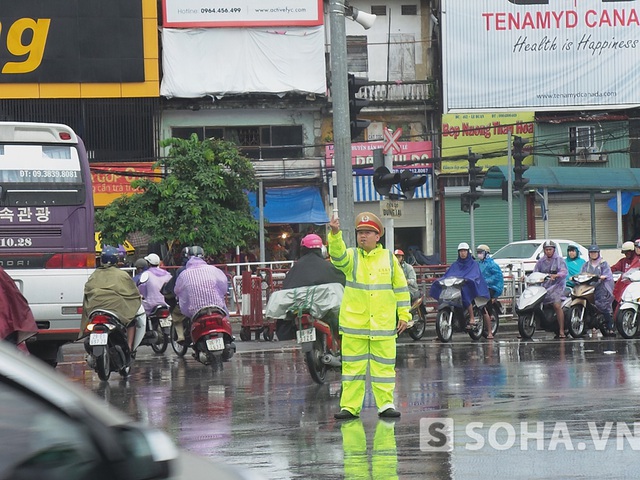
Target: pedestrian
[[554, 265], [494, 278], [374, 310]]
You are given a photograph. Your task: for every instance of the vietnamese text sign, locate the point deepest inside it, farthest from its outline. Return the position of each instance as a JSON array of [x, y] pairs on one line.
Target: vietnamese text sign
[[248, 13], [486, 134], [418, 153], [110, 180], [391, 208], [501, 54]]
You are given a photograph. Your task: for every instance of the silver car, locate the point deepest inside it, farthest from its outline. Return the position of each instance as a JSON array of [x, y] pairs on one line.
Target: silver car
[[52, 429]]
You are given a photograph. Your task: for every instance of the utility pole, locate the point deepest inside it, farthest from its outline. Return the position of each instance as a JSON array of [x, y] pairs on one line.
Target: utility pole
[[341, 120]]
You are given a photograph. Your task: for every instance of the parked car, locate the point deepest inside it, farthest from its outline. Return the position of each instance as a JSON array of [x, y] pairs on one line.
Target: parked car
[[524, 254], [51, 428]]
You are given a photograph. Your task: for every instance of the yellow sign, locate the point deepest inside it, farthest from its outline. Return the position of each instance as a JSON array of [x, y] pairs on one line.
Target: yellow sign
[[486, 134], [128, 248]]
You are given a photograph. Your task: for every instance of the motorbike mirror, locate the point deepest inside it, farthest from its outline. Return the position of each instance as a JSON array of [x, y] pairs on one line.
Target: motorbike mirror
[[144, 277]]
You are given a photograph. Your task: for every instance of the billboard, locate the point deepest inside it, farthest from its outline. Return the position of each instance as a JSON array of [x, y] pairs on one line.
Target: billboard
[[413, 154], [89, 49], [113, 179], [537, 55], [486, 134], [248, 13]]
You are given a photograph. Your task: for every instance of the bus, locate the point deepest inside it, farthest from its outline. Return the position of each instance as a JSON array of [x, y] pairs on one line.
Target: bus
[[47, 240]]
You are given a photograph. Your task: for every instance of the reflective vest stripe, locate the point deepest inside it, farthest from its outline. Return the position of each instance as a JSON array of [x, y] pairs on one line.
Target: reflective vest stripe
[[364, 286], [367, 332]]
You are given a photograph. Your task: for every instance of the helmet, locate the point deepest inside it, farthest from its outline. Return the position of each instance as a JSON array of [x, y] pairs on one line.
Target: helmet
[[572, 247], [153, 259], [311, 241], [484, 248], [627, 247], [548, 244], [463, 246], [109, 255], [141, 263], [594, 248], [399, 252], [197, 251]]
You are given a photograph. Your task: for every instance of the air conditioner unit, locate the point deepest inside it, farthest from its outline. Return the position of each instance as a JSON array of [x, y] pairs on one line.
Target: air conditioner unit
[[564, 159], [597, 157]]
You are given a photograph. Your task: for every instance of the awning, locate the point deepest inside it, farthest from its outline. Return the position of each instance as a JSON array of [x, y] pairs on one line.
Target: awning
[[291, 205]]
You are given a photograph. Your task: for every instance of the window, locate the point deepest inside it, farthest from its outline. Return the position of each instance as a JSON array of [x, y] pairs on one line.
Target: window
[[357, 56], [581, 138], [380, 10], [409, 9], [277, 141]]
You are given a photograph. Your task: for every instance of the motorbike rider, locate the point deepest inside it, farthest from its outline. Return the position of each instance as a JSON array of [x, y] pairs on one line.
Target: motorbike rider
[[554, 265], [604, 288], [410, 275], [200, 285], [465, 267], [140, 265], [626, 263], [167, 290], [16, 319], [310, 269], [574, 264], [492, 274], [150, 285], [112, 289]]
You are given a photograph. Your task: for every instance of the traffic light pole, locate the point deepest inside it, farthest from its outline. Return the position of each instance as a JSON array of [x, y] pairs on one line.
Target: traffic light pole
[[388, 222], [472, 221], [341, 120], [510, 187]]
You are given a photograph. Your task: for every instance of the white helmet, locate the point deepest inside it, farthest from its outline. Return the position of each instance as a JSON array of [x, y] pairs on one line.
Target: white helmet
[[463, 246], [153, 259], [627, 247]]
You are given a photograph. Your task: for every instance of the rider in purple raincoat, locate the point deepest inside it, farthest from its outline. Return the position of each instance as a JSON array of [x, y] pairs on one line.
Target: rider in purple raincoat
[[604, 289], [553, 264]]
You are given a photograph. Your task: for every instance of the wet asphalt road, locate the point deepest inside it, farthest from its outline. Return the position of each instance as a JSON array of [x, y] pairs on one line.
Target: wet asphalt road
[[503, 409]]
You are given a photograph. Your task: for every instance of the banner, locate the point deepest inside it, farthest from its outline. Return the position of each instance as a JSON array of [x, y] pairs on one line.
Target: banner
[[486, 134], [112, 180], [540, 54]]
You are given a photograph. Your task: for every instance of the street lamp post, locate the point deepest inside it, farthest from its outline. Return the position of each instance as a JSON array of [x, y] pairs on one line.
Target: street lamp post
[[341, 121]]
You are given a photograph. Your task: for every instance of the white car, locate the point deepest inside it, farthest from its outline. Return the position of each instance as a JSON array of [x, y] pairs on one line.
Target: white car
[[524, 254]]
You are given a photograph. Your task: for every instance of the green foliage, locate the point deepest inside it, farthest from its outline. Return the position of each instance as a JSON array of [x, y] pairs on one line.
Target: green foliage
[[201, 201]]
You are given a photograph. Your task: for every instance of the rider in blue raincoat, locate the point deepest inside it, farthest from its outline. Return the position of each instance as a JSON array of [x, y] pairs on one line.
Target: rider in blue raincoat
[[492, 274], [475, 286]]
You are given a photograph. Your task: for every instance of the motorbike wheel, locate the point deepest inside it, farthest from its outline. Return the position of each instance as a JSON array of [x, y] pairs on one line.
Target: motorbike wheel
[[245, 334], [476, 332], [313, 359], [627, 323], [103, 365], [180, 350], [527, 325], [161, 345], [444, 325], [419, 326], [495, 323], [576, 321]]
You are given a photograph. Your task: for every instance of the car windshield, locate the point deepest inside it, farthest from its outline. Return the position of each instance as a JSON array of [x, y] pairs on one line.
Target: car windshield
[[517, 250]]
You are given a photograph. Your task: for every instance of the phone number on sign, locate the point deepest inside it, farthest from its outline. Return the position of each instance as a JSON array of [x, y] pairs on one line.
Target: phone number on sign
[[14, 242], [48, 173], [220, 10]]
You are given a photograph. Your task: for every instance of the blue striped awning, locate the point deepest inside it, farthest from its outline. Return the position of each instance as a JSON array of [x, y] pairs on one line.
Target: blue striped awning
[[364, 191]]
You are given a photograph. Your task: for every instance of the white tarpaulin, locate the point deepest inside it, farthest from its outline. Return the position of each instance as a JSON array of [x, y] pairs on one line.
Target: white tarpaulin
[[223, 61], [558, 55]]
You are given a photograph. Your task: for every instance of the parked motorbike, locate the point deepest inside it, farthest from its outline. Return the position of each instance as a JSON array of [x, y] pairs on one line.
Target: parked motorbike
[[583, 313], [532, 313], [158, 329], [627, 314], [320, 345], [452, 317], [418, 324], [209, 334], [106, 345]]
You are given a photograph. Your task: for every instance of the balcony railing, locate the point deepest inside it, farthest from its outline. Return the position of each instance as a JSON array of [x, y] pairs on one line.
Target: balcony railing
[[415, 91]]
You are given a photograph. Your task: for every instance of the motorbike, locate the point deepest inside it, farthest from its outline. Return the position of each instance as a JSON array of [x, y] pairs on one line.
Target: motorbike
[[531, 311], [627, 314], [451, 316], [106, 345], [320, 345], [158, 329], [418, 324], [583, 313], [495, 309], [209, 334]]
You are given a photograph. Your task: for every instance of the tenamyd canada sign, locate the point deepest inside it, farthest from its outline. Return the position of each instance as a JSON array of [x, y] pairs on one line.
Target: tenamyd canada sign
[[540, 54]]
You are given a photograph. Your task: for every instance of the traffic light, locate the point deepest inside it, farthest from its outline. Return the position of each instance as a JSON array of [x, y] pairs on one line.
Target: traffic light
[[356, 104], [409, 182], [518, 156], [383, 180], [466, 200], [474, 181], [505, 190]]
